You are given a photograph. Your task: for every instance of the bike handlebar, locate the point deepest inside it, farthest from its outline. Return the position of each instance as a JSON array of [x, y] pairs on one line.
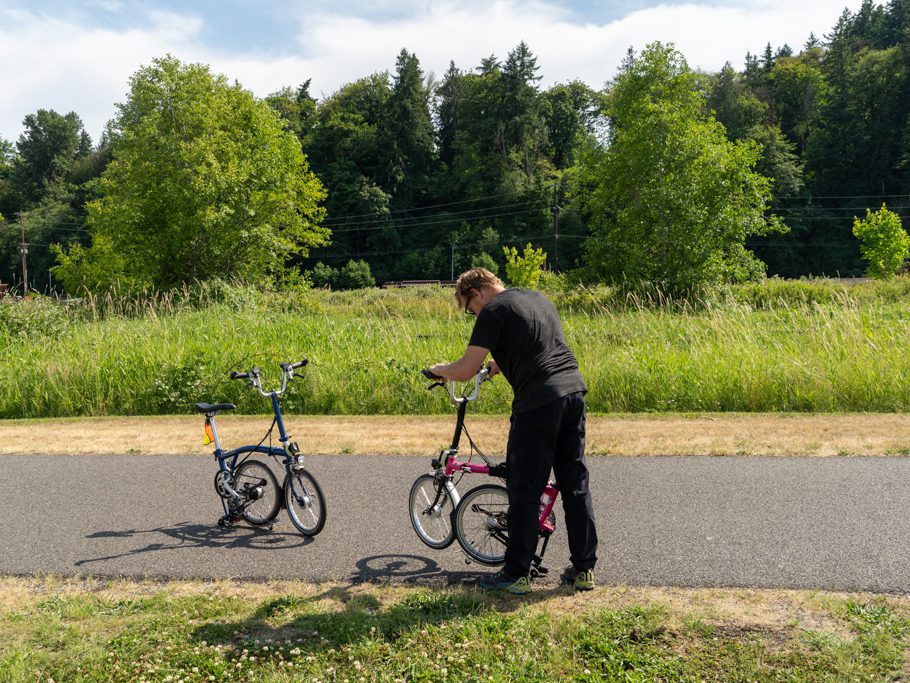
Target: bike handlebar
[[482, 376], [254, 375]]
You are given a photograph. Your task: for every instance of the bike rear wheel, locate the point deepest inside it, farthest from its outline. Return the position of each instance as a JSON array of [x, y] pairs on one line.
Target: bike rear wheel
[[256, 482], [431, 511], [481, 523], [305, 502]]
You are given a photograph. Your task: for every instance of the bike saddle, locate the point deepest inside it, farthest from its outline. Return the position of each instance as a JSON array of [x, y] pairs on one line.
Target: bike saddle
[[213, 407]]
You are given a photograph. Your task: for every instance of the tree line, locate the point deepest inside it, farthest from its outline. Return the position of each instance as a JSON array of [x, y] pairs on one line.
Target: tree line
[[664, 175]]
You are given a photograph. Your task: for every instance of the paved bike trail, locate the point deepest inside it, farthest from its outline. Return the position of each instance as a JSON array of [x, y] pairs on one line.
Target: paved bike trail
[[825, 523]]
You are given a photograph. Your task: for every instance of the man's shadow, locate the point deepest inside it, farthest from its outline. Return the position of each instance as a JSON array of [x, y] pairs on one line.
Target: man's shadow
[[348, 613], [189, 536]]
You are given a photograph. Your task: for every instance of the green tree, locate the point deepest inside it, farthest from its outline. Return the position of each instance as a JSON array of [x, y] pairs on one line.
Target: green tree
[[670, 199], [734, 104], [884, 243], [778, 161], [569, 110], [407, 131], [797, 87], [204, 183], [484, 260], [345, 147], [523, 270], [10, 199], [296, 108], [46, 151], [447, 95]]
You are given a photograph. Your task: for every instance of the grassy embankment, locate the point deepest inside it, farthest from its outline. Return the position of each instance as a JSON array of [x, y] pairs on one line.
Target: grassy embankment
[[800, 346], [84, 630]]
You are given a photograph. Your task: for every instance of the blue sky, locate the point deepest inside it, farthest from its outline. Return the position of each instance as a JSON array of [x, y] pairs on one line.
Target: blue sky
[[78, 55]]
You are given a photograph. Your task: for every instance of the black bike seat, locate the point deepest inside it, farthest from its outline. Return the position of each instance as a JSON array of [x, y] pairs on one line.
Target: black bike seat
[[213, 407]]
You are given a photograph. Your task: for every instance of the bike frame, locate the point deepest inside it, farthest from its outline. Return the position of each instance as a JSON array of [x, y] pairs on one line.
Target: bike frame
[[223, 456], [288, 451], [448, 464]]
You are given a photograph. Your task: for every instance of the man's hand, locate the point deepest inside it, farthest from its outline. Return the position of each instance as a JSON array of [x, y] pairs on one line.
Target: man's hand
[[493, 368], [465, 367]]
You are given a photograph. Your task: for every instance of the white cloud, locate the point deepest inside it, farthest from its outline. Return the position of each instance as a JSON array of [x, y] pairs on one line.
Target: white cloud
[[52, 63]]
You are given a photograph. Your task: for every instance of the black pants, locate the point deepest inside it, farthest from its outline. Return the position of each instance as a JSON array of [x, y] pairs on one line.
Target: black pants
[[550, 437]]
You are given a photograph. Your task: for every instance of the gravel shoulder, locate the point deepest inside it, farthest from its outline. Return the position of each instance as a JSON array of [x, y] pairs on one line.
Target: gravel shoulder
[[721, 434]]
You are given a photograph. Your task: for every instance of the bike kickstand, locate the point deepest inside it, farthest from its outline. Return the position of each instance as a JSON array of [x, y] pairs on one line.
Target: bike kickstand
[[538, 568]]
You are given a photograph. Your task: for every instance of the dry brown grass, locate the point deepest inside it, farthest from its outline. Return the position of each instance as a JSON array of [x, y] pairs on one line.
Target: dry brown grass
[[633, 435]]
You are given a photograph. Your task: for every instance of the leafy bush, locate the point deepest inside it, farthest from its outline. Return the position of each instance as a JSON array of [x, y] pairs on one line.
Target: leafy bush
[[884, 243], [355, 275], [524, 270], [323, 276]]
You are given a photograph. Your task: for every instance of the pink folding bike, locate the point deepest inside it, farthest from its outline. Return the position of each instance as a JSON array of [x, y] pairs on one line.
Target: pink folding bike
[[479, 519]]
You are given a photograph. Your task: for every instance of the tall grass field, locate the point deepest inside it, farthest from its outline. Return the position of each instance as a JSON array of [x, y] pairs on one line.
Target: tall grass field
[[776, 346]]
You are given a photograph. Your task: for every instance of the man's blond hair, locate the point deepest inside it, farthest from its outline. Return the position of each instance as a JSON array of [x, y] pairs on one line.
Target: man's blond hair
[[476, 278]]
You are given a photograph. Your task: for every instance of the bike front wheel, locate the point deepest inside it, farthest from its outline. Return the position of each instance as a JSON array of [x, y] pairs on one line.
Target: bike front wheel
[[481, 523], [257, 484], [431, 510], [305, 503]]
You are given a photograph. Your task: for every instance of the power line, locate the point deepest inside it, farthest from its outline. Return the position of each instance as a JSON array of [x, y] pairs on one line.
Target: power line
[[464, 219], [379, 214], [418, 218], [825, 218], [336, 257], [844, 196], [809, 209]]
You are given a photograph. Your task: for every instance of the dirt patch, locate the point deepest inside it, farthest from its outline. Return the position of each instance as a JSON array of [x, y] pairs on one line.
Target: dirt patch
[[715, 434]]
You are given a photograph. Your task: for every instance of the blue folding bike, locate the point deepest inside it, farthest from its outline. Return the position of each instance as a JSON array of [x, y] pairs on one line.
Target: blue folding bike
[[247, 486]]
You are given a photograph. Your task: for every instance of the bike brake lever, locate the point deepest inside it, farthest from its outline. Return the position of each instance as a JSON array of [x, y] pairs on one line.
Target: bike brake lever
[[434, 385]]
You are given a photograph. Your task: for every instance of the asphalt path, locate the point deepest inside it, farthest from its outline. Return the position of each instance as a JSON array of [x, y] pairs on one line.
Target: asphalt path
[[818, 523]]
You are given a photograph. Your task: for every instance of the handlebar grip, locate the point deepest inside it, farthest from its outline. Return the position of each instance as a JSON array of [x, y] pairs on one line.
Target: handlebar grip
[[240, 375], [430, 374], [299, 364]]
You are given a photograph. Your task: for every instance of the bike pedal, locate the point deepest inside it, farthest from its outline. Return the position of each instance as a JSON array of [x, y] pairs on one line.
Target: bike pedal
[[543, 569]]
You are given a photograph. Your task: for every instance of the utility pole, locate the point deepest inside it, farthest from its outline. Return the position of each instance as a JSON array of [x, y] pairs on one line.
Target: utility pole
[[23, 250], [555, 211]]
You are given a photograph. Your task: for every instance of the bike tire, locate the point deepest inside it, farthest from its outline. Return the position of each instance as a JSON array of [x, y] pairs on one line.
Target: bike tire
[[481, 523], [435, 527], [305, 502], [255, 473]]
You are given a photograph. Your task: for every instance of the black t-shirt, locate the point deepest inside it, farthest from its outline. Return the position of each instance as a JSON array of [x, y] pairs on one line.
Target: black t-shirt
[[523, 332]]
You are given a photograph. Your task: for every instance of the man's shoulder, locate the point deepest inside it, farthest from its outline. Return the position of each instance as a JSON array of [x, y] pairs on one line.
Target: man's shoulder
[[517, 296], [520, 300]]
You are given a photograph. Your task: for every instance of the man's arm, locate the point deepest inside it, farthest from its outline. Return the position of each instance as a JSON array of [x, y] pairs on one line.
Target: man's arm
[[465, 367]]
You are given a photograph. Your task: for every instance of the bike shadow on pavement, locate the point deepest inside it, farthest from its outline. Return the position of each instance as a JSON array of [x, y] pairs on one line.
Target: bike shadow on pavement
[[189, 536], [369, 606]]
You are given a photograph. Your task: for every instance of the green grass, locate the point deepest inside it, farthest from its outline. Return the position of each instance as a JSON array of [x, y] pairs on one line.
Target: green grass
[[784, 347], [348, 633]]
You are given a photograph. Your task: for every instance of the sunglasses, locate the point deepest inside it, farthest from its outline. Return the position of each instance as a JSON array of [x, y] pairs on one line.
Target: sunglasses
[[467, 303]]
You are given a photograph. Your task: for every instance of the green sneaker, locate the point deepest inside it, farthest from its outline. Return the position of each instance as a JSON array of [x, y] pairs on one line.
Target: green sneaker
[[500, 581], [580, 580]]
